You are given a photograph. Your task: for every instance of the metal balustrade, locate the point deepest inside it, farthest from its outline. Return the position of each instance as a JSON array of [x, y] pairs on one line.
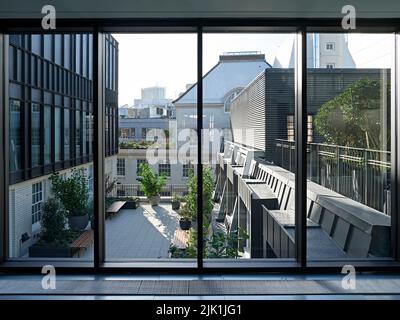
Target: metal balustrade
[[359, 174], [133, 190]]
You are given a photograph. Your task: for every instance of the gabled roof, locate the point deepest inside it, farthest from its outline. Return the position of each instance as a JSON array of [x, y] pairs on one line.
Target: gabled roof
[[226, 75]]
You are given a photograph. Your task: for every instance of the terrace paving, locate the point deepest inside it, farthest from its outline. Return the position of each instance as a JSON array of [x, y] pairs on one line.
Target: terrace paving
[[142, 233]]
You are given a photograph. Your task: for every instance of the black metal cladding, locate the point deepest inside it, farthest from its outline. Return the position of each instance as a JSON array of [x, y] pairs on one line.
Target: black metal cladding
[[248, 113], [52, 75], [271, 95]]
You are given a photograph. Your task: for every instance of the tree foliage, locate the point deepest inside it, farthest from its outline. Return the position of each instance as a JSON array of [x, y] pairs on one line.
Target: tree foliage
[[354, 117], [151, 183], [53, 220], [73, 192]]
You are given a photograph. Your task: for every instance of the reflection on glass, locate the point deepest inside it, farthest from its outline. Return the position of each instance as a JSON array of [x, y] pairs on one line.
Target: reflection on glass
[[151, 193], [50, 186], [248, 102], [348, 188], [36, 130]]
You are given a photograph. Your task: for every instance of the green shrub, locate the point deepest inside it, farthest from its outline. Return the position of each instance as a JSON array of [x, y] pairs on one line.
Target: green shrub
[[353, 118], [53, 220], [73, 192]]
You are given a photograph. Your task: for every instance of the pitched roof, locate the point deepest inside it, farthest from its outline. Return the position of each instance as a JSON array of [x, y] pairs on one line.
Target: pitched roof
[[229, 73]]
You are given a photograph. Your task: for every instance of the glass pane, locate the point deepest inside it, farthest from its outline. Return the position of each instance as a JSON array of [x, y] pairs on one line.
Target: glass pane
[[349, 154], [67, 134], [47, 134], [15, 135], [50, 188], [36, 131], [248, 106], [57, 134], [147, 191]]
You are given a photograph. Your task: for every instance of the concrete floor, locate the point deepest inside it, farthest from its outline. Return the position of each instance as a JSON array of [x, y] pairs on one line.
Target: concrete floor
[[145, 232], [202, 287]]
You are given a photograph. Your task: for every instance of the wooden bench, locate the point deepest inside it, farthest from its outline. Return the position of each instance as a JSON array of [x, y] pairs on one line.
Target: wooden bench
[[114, 208], [84, 241], [181, 239]]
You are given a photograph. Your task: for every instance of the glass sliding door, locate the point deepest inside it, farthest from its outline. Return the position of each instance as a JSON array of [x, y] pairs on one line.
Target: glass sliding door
[[49, 198], [151, 144], [349, 152], [248, 147]]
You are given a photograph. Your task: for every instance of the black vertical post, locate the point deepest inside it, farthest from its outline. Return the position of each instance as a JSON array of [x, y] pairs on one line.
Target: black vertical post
[[199, 149], [98, 148], [394, 148], [300, 146], [3, 144]]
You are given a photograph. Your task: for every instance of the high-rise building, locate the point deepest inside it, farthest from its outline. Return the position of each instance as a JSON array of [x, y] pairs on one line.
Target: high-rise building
[[324, 50], [51, 121], [153, 104]]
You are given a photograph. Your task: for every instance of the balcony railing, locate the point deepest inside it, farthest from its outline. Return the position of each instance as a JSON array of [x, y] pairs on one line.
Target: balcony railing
[[133, 190], [359, 174]]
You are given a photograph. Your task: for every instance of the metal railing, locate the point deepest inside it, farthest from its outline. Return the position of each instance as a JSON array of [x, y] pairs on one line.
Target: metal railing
[[359, 174], [133, 190]]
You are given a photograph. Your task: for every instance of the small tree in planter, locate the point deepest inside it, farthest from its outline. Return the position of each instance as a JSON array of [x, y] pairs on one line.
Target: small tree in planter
[[55, 239], [73, 192], [176, 202], [151, 183], [185, 222], [53, 221]]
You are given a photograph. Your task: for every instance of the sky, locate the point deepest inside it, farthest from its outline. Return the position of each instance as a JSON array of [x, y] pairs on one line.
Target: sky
[[170, 60]]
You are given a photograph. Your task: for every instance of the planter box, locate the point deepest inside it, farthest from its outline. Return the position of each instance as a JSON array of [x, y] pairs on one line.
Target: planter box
[[175, 205], [130, 204], [185, 224], [50, 252]]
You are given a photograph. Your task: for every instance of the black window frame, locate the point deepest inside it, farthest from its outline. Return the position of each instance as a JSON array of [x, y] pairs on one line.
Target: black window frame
[[200, 26]]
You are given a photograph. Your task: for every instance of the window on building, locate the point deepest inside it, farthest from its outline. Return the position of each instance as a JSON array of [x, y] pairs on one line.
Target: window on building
[[47, 134], [132, 133], [330, 65], [187, 168], [78, 133], [138, 164], [290, 128], [164, 169], [229, 99], [121, 167], [37, 200], [144, 133], [310, 131], [15, 135], [66, 134], [35, 147], [330, 46], [123, 132]]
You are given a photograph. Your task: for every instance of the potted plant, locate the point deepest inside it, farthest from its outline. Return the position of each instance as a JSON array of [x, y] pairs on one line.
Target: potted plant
[[132, 203], [185, 221], [151, 184], [73, 192], [55, 239], [175, 202]]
